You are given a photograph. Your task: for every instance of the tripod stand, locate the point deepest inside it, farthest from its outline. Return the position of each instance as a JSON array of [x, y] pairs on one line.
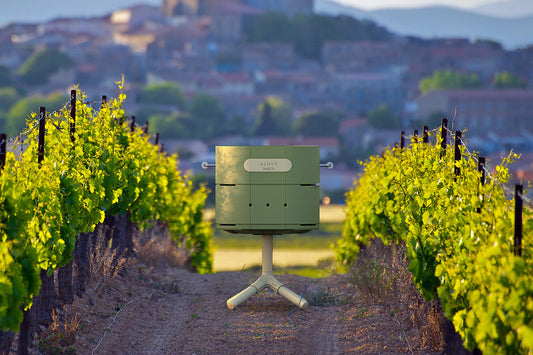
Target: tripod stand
[[267, 279]]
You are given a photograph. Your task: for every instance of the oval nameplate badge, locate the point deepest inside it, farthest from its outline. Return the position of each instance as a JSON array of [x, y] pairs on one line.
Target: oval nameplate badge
[[267, 165]]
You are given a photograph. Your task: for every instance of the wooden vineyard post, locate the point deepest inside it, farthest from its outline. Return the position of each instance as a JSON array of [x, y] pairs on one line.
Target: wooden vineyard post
[[156, 139], [46, 299], [41, 311], [518, 198], [80, 257], [64, 274], [457, 169], [481, 169], [25, 331], [3, 145], [145, 128], [425, 135], [6, 338], [40, 147], [402, 139], [415, 136], [32, 315], [65, 291], [72, 114], [132, 124], [123, 241], [130, 230], [443, 136]]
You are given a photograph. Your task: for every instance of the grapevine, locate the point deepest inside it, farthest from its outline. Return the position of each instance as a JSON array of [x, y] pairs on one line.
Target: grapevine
[[102, 169], [459, 238]]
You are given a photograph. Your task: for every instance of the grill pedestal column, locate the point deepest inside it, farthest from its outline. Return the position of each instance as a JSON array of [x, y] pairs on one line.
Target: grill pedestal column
[[267, 279]]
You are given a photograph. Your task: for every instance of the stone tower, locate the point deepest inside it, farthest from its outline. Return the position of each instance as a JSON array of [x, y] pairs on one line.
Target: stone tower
[[173, 8]]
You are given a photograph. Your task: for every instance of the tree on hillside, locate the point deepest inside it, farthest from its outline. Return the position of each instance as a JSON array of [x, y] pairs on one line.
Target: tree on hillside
[[317, 124], [311, 31], [491, 43], [384, 118], [274, 117], [41, 65], [5, 76], [20, 111], [270, 27], [162, 94], [447, 79], [267, 125], [208, 116], [171, 126], [506, 80], [8, 97], [308, 32]]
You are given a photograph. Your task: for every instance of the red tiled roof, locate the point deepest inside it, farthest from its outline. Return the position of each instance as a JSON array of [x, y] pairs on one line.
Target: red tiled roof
[[352, 122], [235, 77]]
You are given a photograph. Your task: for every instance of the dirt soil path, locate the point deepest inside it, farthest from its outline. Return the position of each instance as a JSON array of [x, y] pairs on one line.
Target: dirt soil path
[[173, 311]]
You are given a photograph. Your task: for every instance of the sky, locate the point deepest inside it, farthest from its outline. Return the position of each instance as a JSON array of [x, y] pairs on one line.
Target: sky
[[377, 4], [43, 10]]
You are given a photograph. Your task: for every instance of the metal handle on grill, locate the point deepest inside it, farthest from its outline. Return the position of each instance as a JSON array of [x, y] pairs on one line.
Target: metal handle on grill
[[206, 165]]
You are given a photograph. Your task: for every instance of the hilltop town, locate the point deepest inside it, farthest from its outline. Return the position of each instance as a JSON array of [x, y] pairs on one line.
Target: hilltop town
[[345, 84]]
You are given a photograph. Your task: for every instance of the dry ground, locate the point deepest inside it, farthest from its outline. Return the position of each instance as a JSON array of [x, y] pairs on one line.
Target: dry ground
[[174, 311], [146, 310], [150, 307]]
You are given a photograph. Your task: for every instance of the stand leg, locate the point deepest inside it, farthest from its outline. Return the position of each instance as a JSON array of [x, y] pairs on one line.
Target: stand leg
[[267, 279], [293, 297], [241, 297]]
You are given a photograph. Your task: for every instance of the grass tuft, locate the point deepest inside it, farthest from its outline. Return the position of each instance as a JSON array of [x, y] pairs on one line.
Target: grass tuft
[[156, 248], [380, 274], [325, 298], [60, 337]]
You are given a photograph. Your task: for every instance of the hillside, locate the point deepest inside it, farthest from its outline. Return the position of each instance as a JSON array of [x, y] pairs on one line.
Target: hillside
[[441, 21], [508, 9]]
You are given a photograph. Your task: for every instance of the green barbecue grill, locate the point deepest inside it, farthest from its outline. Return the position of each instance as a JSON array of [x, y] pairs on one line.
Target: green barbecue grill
[[267, 191]]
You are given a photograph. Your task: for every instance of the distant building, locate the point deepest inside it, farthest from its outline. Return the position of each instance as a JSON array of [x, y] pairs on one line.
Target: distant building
[[520, 61], [108, 63], [16, 43], [266, 56], [365, 56], [136, 26], [172, 8], [181, 48], [461, 55], [506, 115], [224, 84], [355, 133], [361, 93], [227, 19], [136, 17]]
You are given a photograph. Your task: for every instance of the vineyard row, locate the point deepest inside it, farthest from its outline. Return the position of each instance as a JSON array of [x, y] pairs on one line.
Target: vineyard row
[[84, 170], [462, 235]]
